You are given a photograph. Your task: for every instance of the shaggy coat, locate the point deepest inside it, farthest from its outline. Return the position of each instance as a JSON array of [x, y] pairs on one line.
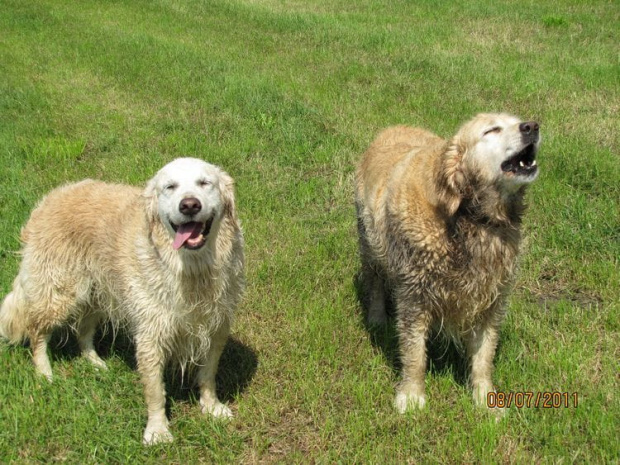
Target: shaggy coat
[[439, 227], [94, 251]]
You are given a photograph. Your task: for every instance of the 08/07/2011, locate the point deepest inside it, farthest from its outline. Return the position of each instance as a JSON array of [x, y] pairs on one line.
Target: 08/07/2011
[[529, 399]]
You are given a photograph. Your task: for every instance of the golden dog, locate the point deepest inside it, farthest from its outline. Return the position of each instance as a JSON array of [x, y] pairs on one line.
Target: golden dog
[[439, 227], [165, 262]]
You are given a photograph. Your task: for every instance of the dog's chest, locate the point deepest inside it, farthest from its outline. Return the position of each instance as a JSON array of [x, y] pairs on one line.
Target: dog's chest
[[462, 273], [479, 266]]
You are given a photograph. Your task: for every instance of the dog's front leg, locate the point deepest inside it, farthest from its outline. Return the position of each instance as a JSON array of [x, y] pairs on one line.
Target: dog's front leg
[[413, 324], [206, 375], [151, 364], [481, 344]]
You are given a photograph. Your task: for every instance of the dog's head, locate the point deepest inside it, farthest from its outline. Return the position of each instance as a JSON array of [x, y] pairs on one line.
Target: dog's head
[[190, 198], [492, 150]]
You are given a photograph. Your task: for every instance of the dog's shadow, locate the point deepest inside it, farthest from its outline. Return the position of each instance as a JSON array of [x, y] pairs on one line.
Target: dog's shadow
[[443, 358], [236, 368]]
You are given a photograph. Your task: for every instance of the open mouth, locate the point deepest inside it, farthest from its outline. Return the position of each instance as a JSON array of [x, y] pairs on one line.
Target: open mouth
[[523, 163], [191, 235]]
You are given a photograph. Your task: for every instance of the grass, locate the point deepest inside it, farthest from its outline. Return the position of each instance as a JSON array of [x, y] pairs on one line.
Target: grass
[[286, 95]]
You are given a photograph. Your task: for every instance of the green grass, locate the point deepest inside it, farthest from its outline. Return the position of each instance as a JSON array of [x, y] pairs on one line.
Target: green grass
[[286, 95]]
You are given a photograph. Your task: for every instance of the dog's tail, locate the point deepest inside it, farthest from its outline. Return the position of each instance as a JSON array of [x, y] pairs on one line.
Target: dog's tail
[[12, 317]]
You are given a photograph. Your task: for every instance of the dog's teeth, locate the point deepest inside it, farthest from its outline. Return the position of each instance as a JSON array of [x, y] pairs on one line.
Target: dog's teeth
[[521, 164], [534, 163]]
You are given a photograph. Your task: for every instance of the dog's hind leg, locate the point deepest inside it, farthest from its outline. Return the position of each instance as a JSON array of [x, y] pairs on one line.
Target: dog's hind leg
[[376, 300], [86, 333], [206, 375], [372, 281], [43, 319], [38, 345], [21, 318]]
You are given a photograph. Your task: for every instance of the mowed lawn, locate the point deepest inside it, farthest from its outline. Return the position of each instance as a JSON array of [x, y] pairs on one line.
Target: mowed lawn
[[286, 95]]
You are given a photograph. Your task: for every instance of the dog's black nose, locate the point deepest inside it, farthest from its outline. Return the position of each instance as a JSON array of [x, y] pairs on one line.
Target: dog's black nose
[[190, 206], [529, 127]]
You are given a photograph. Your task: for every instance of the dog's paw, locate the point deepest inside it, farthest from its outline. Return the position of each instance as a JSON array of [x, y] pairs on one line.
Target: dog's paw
[[499, 413], [156, 435], [482, 394], [409, 401], [482, 400], [47, 374], [44, 368], [217, 410], [496, 412], [96, 361]]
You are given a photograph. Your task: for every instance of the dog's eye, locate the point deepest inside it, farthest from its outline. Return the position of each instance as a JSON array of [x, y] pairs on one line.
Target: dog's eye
[[493, 130], [203, 183], [170, 187]]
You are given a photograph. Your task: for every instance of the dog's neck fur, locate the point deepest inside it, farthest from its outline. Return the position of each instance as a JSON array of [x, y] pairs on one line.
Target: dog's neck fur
[[489, 205]]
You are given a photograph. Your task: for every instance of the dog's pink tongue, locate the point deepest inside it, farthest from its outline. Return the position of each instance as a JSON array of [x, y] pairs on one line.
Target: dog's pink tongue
[[186, 231]]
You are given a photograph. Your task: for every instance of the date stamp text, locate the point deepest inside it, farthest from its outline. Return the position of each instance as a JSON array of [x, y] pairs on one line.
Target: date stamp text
[[529, 399]]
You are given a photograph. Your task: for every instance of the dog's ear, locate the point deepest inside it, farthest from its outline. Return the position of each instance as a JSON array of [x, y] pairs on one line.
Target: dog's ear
[[150, 200], [227, 191], [452, 182]]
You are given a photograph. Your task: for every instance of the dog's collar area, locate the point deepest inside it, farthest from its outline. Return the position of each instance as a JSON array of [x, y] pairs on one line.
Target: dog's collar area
[[191, 235], [523, 163]]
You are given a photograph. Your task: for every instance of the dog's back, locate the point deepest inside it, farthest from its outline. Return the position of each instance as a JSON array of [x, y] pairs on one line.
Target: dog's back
[[66, 242], [78, 221], [394, 183]]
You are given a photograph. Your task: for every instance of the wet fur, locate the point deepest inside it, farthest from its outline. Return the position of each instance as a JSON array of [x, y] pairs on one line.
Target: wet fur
[[94, 251], [441, 233]]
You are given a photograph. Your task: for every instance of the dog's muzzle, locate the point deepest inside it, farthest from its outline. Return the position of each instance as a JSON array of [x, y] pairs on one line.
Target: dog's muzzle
[[523, 164], [191, 235]]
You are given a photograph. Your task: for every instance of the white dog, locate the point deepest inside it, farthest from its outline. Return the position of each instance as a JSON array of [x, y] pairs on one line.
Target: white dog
[[165, 262]]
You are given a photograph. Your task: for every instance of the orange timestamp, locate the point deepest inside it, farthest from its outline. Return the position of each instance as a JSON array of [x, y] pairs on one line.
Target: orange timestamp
[[529, 399]]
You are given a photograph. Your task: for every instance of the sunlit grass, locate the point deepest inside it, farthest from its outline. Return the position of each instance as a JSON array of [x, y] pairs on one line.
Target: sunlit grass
[[286, 96]]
